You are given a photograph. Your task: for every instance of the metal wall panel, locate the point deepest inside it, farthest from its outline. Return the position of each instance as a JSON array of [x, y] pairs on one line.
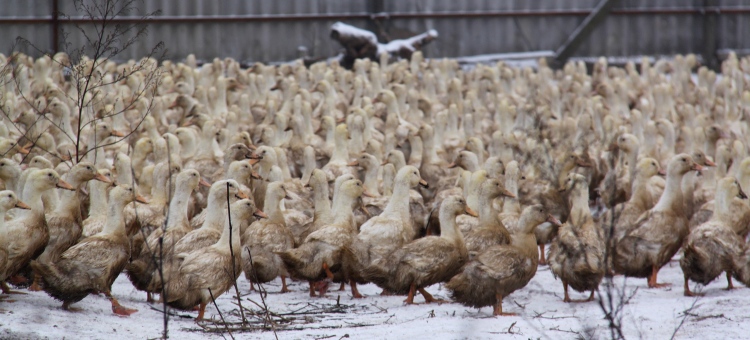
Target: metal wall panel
[[622, 34]]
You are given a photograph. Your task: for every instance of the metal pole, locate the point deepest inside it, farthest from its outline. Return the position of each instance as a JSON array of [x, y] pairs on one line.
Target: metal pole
[[583, 30], [55, 26]]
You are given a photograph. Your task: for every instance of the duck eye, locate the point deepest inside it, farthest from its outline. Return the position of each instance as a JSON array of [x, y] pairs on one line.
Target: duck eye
[[49, 175]]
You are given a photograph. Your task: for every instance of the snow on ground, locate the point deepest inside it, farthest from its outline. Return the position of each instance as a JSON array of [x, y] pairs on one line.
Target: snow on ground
[[651, 314]]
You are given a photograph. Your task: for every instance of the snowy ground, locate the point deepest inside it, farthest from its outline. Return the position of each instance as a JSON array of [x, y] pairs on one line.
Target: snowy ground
[[651, 314]]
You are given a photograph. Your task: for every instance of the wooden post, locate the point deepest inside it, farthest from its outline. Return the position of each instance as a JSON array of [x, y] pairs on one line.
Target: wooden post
[[583, 30], [709, 35]]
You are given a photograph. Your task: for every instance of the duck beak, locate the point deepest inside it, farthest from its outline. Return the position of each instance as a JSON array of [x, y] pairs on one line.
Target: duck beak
[[452, 165], [253, 161], [384, 162], [241, 195], [742, 195], [353, 163], [662, 172], [102, 178], [582, 163], [554, 220], [696, 167], [259, 214], [65, 185], [561, 189], [173, 105], [186, 123], [507, 193], [471, 212], [204, 183], [423, 183], [23, 150], [65, 157], [141, 199], [84, 191], [255, 175], [21, 205], [710, 162], [252, 147], [367, 194], [117, 133], [287, 197]]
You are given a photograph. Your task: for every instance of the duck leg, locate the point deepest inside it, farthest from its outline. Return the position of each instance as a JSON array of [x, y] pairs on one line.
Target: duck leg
[[312, 289], [730, 286], [252, 286], [542, 260], [686, 289], [566, 298], [284, 288], [652, 279], [66, 306], [410, 298], [117, 308], [149, 297], [342, 287], [428, 297], [35, 287], [355, 291], [201, 312], [498, 308], [6, 289]]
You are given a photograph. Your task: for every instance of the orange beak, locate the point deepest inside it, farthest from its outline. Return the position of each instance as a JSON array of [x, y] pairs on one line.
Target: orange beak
[[23, 150], [507, 193], [582, 163], [353, 163], [709, 162], [452, 165], [662, 172], [554, 220], [117, 133], [186, 123], [102, 178], [471, 212], [259, 214], [173, 105], [696, 167], [241, 195], [255, 175], [423, 183], [252, 147], [367, 194], [204, 183], [65, 185], [253, 161], [21, 205], [141, 199]]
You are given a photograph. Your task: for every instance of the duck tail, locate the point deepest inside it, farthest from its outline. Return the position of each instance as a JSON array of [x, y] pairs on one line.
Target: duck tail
[[471, 288], [140, 273], [303, 262], [741, 266], [261, 268]]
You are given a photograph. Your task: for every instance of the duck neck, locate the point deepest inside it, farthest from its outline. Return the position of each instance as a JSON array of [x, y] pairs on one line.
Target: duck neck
[[322, 204], [417, 151], [580, 213], [525, 240], [216, 211], [178, 207], [115, 222], [671, 199], [449, 228], [371, 179], [33, 198], [160, 191], [341, 150], [342, 214], [399, 203], [487, 213], [640, 193], [98, 198], [227, 234], [272, 208]]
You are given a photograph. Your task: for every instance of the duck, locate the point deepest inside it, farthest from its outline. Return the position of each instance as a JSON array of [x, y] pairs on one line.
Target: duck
[[221, 193], [659, 232], [97, 215], [8, 201], [263, 239], [713, 247], [576, 256], [10, 173], [206, 273], [93, 264], [393, 228], [426, 261], [500, 270], [511, 210], [65, 223], [144, 219], [626, 214], [239, 174], [489, 230], [142, 270], [27, 235], [320, 252]]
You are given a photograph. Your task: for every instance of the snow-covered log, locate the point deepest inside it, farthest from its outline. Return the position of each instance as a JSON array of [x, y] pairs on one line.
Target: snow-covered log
[[359, 43]]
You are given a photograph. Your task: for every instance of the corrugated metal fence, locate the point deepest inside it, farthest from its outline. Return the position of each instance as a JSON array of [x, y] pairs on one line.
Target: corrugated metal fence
[[272, 30]]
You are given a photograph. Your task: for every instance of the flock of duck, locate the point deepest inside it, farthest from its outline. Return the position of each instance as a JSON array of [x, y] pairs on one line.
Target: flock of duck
[[404, 175]]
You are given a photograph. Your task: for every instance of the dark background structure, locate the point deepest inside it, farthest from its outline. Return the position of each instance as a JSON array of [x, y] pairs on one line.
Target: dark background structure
[[272, 30]]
